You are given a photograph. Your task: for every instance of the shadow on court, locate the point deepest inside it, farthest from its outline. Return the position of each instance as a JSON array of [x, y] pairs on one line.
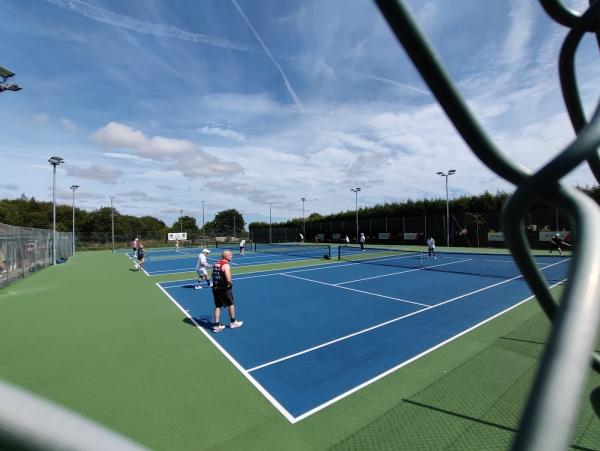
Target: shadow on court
[[595, 400], [205, 322]]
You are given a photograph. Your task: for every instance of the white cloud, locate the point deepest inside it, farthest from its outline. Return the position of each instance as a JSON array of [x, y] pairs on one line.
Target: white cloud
[[223, 132], [175, 154], [166, 187], [68, 125], [41, 119], [139, 196], [97, 172], [9, 187]]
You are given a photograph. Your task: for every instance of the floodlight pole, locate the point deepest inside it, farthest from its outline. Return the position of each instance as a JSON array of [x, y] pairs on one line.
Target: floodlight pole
[[74, 187], [54, 161], [181, 221], [303, 199], [112, 222], [270, 224], [355, 191], [450, 172]]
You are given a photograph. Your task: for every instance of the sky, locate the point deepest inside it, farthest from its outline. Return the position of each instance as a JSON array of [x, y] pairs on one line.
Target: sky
[[238, 103]]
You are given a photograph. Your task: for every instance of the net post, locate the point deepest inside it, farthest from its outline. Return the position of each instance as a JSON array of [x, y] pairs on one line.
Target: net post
[[339, 253]]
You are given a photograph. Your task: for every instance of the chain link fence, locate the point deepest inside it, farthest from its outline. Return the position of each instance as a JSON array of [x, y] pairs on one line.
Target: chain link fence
[[24, 251], [466, 229]]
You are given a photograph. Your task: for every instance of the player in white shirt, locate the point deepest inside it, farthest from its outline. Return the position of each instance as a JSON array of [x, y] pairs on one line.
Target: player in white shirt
[[431, 247], [242, 246], [201, 266], [176, 245], [301, 238]]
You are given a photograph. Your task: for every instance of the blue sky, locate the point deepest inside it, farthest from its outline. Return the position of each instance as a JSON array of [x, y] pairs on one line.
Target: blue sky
[[165, 103]]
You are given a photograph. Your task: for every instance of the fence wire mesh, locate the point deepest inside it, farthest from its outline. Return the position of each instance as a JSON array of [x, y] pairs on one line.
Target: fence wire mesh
[[25, 250], [548, 419]]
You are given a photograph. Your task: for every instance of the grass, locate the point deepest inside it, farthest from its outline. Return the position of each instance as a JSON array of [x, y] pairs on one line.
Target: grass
[[104, 341]]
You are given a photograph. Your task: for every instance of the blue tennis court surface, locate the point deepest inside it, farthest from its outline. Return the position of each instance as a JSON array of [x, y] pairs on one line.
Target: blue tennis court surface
[[167, 261], [314, 335]]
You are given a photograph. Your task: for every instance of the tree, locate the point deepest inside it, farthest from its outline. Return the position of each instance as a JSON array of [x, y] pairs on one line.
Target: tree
[[188, 224], [226, 223]]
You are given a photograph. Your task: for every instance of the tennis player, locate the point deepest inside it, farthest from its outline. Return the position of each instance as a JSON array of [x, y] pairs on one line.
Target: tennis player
[[362, 240], [346, 241], [223, 292], [176, 245], [201, 266], [431, 247], [242, 246], [556, 242], [301, 238], [141, 253]]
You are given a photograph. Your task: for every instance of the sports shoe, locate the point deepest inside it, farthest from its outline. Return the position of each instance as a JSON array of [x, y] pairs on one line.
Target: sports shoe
[[198, 287], [236, 324], [211, 285], [218, 328]]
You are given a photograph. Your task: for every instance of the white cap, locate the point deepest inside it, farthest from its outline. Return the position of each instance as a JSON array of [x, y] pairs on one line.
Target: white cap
[[205, 251]]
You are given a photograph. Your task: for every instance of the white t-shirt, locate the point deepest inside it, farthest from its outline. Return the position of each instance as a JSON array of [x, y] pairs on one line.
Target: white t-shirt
[[242, 243], [301, 236], [202, 262], [431, 243], [362, 238], [347, 240]]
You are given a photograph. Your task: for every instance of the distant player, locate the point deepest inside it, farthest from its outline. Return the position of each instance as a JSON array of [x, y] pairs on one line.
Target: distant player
[[346, 241], [431, 247], [556, 242], [201, 266], [134, 246], [223, 292], [362, 240], [301, 238], [242, 246], [176, 245], [141, 253]]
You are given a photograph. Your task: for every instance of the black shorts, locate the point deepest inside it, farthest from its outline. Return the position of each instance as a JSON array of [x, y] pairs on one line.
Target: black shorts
[[223, 298], [140, 257]]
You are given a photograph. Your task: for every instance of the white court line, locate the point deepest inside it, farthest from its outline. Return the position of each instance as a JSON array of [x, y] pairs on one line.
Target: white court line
[[412, 359], [385, 323], [352, 289], [131, 258], [234, 362], [402, 272], [270, 272], [293, 419], [161, 272]]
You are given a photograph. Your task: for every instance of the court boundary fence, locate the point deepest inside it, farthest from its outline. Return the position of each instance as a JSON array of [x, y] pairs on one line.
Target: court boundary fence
[[549, 417], [25, 251]]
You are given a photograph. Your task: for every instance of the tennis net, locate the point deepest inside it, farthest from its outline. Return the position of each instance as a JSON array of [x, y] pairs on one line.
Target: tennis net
[[481, 264], [300, 250]]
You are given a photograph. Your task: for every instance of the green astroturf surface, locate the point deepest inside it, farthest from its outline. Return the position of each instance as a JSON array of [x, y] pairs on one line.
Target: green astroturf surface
[[105, 341]]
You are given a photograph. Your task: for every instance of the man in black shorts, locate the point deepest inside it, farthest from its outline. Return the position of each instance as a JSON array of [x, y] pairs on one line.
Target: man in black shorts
[[223, 292]]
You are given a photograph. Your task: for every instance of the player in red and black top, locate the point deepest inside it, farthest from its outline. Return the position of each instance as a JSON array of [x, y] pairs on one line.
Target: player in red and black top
[[556, 242], [223, 292]]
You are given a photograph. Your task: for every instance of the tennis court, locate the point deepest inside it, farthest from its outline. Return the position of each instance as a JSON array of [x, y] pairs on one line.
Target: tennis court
[[314, 335], [169, 261]]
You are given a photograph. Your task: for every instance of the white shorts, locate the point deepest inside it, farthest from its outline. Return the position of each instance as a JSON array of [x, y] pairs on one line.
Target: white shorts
[[202, 272]]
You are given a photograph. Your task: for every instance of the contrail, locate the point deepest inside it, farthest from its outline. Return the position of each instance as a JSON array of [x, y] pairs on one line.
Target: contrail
[[167, 31], [258, 38], [394, 82]]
